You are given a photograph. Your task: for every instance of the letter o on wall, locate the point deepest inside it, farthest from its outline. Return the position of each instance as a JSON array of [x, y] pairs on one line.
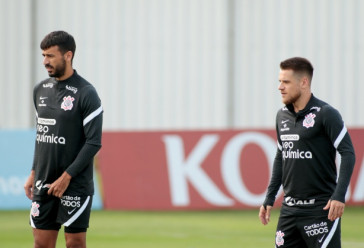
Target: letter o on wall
[[230, 165]]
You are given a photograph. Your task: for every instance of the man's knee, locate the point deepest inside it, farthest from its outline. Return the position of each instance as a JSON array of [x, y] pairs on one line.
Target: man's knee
[[76, 240], [75, 244], [45, 238]]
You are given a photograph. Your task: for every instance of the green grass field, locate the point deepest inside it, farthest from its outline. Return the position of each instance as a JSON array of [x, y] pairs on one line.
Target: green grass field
[[208, 229]]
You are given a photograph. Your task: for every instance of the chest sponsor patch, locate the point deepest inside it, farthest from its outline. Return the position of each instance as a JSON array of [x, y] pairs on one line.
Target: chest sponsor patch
[[48, 85], [67, 103], [309, 120], [42, 102], [290, 201], [71, 88]]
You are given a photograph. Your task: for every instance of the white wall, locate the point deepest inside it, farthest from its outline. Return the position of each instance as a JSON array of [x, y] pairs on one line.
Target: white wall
[[186, 64], [328, 32], [15, 64]]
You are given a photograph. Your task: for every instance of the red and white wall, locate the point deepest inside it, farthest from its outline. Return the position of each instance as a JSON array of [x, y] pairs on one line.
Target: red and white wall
[[186, 170], [197, 169]]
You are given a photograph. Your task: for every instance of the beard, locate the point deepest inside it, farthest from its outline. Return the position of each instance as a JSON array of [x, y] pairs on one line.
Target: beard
[[58, 70], [291, 99]]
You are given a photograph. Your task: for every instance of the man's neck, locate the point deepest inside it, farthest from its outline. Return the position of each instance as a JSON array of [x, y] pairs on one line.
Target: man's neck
[[301, 103], [68, 73]]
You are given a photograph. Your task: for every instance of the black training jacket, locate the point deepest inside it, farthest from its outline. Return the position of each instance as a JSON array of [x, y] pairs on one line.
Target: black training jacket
[[306, 160], [69, 129]]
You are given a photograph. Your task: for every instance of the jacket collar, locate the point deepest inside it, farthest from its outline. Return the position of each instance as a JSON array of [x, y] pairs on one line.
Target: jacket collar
[[305, 110]]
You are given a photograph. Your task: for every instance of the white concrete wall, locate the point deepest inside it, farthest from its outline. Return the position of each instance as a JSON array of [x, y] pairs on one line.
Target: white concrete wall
[[186, 64], [15, 64]]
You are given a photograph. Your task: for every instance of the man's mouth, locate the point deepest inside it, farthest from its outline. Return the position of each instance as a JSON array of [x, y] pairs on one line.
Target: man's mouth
[[49, 68]]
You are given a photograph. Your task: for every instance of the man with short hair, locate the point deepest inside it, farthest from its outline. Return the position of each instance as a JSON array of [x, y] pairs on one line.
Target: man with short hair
[[69, 129], [310, 133]]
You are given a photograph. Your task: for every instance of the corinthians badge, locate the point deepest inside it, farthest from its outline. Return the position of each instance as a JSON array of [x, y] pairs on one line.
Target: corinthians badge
[[309, 120], [279, 238], [67, 103]]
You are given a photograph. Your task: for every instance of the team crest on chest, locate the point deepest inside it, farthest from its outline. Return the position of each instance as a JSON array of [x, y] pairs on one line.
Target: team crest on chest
[[67, 103], [279, 238], [309, 120]]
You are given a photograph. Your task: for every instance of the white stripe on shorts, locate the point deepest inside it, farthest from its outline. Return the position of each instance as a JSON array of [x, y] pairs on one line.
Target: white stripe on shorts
[[78, 213], [331, 233], [31, 220]]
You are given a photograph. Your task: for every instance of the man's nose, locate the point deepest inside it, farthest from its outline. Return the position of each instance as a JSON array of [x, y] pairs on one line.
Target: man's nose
[[45, 61]]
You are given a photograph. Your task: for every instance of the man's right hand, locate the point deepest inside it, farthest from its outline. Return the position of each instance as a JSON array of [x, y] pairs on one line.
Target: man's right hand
[[29, 185], [264, 214]]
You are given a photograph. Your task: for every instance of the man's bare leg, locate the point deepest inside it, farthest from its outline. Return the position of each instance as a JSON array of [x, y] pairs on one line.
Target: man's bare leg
[[45, 238], [75, 240]]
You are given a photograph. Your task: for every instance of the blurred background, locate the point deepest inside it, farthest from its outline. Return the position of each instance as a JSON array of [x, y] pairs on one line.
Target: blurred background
[[179, 66], [185, 64]]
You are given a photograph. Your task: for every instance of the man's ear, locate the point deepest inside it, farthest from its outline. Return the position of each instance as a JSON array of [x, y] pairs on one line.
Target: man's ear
[[305, 83], [68, 56]]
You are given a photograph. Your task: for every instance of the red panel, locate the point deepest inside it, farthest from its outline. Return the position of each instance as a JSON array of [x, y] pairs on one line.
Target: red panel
[[136, 169]]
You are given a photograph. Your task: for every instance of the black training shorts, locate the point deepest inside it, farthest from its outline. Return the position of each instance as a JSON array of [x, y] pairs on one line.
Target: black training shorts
[[73, 212], [308, 231]]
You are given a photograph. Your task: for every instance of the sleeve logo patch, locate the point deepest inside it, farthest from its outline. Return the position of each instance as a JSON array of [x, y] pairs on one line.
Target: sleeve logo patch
[[67, 103]]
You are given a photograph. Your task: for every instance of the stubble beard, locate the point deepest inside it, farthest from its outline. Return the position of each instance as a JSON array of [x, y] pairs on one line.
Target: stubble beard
[[292, 99], [58, 70]]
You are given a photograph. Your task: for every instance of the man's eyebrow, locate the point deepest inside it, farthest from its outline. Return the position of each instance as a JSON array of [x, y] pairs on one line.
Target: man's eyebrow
[[48, 54]]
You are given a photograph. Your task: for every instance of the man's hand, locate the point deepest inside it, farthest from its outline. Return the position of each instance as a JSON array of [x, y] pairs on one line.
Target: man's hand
[[59, 186], [336, 209], [29, 185], [264, 214]]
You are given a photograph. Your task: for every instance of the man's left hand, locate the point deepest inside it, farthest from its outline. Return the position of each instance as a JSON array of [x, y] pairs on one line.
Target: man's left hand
[[59, 186], [336, 209]]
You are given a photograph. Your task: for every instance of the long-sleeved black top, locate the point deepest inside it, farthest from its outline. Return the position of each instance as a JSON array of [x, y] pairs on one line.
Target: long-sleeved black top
[[69, 128], [305, 163]]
